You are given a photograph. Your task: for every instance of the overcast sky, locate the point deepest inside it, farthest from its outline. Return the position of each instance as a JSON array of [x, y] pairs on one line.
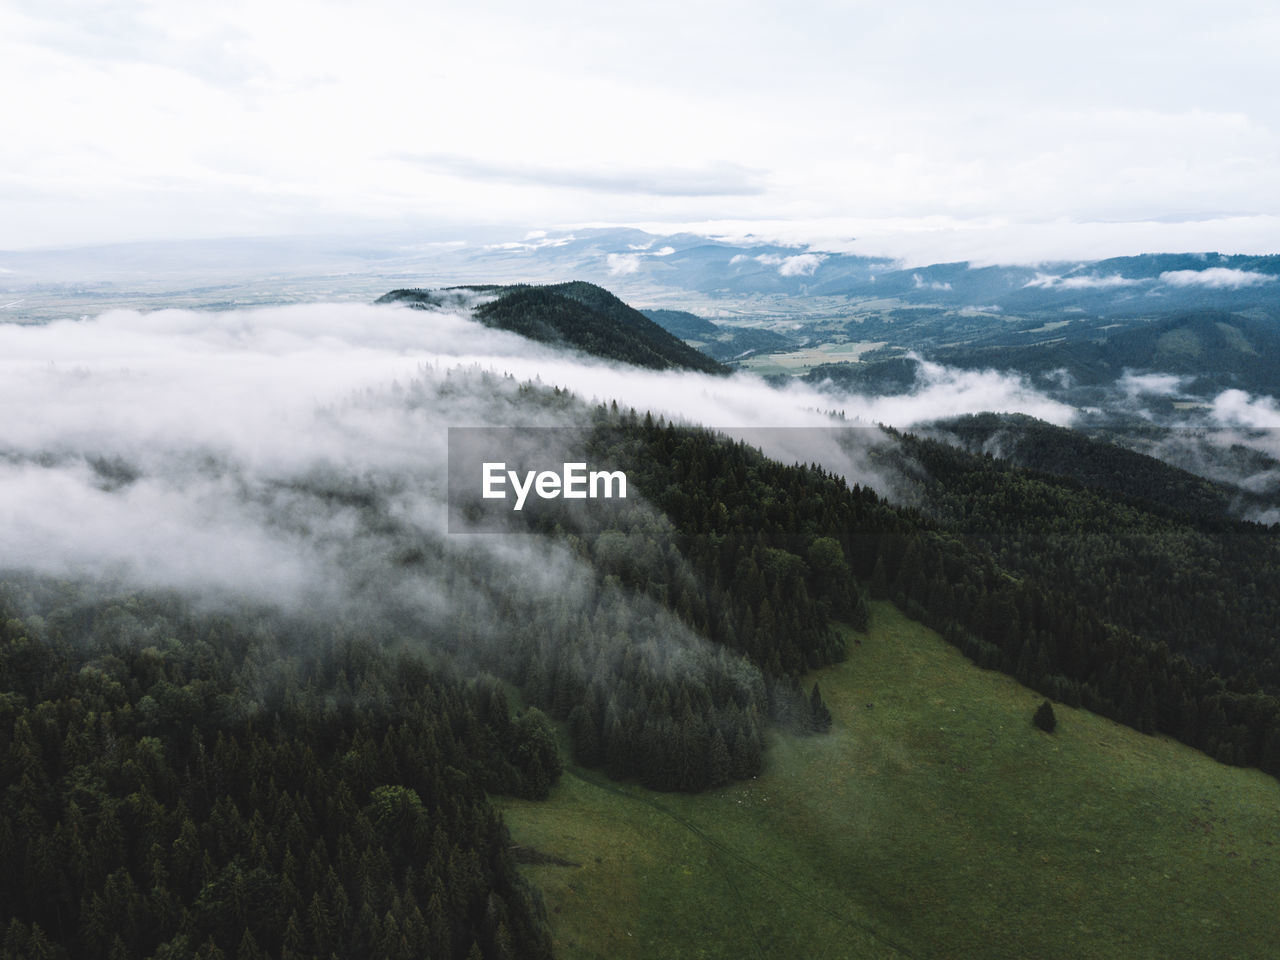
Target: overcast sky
[[1072, 128]]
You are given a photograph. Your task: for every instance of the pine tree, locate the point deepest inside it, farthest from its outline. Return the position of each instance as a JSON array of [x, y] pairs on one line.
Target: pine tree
[[1044, 718], [718, 766], [249, 949], [821, 715], [879, 581]]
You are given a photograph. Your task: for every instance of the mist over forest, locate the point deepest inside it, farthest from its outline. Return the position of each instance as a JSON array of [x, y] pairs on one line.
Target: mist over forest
[[511, 482], [228, 539], [195, 450]]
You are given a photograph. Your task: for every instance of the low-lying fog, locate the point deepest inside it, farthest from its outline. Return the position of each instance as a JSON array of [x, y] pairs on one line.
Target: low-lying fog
[[183, 448]]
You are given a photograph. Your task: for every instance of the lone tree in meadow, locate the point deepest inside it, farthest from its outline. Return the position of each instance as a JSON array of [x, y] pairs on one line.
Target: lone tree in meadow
[[1044, 718]]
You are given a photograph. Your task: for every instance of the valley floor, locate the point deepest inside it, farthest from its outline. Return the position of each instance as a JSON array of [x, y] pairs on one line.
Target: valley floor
[[932, 822]]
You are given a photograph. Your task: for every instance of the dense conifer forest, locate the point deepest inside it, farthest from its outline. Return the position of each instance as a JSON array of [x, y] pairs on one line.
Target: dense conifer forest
[[179, 784], [180, 781], [1195, 580], [1089, 599]]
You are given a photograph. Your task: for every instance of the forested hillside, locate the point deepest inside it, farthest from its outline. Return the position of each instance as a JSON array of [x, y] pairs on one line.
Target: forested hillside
[[179, 784], [1203, 585], [1100, 462], [683, 324], [186, 781], [1210, 349], [579, 315], [1094, 602]]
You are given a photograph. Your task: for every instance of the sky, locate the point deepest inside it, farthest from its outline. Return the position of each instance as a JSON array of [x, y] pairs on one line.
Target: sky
[[1020, 130]]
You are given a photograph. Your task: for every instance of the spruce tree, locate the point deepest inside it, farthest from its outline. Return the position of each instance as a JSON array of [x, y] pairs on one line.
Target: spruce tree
[[718, 764], [821, 715], [1044, 718]]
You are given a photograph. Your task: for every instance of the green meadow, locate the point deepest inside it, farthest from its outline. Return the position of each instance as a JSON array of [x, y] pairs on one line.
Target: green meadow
[[932, 822], [800, 361]]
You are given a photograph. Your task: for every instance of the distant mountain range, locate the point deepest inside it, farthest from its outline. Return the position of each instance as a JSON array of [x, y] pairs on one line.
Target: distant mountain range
[[1152, 283], [1209, 350], [658, 270], [633, 262], [1197, 354]]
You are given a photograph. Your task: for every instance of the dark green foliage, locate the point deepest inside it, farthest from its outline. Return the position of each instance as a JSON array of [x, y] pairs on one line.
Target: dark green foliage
[[1078, 622], [896, 375], [536, 757], [1133, 613], [764, 554], [685, 325], [1217, 350], [738, 555], [420, 299], [1044, 718], [181, 785], [821, 716], [185, 798], [1102, 599], [1069, 455], [1205, 587], [641, 693], [739, 343], [584, 316]]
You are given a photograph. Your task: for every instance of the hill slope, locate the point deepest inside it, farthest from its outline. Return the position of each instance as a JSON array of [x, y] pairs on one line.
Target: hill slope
[[681, 323], [1044, 448], [934, 821], [1077, 361], [1212, 349], [580, 315]]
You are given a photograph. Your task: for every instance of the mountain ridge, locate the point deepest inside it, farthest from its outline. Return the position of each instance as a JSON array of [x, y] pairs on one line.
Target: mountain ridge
[[576, 314]]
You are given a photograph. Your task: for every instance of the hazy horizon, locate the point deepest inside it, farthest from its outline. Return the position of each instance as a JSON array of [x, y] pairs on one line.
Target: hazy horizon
[[921, 131]]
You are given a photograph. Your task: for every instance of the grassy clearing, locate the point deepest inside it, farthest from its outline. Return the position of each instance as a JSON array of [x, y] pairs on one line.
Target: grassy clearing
[[801, 361], [934, 821]]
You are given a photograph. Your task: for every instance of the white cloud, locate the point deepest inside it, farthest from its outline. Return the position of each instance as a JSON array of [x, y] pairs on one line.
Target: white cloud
[[1089, 282], [1221, 278], [945, 391], [621, 264], [798, 265], [1235, 408], [1086, 282], [1043, 280], [1060, 377], [801, 265], [1151, 384], [1242, 421], [215, 418], [941, 391], [921, 284], [534, 240], [289, 456], [1267, 517]]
